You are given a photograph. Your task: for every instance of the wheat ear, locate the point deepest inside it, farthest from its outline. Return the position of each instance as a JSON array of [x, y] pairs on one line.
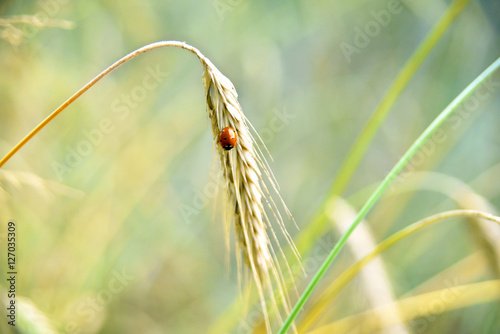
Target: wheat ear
[[246, 192]]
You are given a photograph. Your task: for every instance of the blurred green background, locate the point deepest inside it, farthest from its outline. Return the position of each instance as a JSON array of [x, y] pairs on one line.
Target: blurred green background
[[125, 237]]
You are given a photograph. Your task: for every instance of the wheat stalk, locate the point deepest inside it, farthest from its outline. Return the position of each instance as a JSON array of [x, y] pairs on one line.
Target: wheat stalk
[[241, 168]]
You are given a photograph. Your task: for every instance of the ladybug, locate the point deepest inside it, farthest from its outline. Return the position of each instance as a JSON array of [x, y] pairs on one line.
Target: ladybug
[[227, 138]]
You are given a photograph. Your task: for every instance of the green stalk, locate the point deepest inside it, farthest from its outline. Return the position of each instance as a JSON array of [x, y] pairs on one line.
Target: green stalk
[[359, 149], [384, 185], [315, 229]]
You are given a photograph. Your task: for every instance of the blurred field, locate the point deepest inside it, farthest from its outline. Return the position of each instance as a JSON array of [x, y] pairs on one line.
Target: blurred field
[[127, 237]]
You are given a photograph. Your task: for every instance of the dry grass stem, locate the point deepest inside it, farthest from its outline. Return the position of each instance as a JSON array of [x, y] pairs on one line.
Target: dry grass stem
[[416, 307], [246, 193]]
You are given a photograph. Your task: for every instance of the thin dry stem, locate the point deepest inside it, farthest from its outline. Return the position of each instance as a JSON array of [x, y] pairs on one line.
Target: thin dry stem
[[92, 83]]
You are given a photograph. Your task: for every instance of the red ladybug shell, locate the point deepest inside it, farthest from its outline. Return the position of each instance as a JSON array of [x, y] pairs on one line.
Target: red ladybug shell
[[227, 138]]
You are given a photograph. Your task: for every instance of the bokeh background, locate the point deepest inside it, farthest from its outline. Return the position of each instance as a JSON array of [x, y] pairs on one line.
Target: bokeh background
[[126, 237]]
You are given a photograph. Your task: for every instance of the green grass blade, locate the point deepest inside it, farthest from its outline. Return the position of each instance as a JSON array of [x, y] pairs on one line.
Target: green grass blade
[[359, 149], [384, 185], [361, 145]]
